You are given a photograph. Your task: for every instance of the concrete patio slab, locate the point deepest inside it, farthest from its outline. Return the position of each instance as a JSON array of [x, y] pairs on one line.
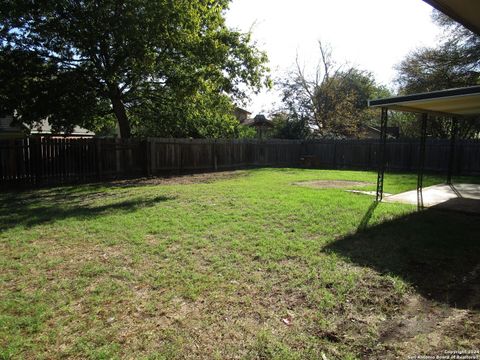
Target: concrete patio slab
[[459, 197], [371, 193]]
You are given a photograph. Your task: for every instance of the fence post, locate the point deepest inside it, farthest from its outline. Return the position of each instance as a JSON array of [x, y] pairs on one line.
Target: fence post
[[369, 165], [118, 156], [37, 156], [180, 155], [335, 153], [98, 157], [214, 154], [13, 160], [460, 152], [148, 157]]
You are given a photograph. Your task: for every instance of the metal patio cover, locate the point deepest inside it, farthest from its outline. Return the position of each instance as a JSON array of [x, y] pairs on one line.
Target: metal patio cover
[[466, 12], [454, 103], [461, 102]]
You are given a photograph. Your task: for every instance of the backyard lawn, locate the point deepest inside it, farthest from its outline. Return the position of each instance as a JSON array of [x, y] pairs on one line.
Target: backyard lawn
[[246, 265]]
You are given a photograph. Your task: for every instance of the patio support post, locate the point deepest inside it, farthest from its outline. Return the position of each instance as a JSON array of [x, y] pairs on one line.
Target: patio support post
[[451, 155], [421, 161], [382, 153]]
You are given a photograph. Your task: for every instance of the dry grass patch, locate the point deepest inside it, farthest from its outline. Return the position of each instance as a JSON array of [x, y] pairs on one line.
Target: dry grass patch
[[332, 184], [242, 267], [200, 178]]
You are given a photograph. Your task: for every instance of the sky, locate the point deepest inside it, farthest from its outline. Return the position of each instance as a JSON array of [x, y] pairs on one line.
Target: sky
[[374, 35]]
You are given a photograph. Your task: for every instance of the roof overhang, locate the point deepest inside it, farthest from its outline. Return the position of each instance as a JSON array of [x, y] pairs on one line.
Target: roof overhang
[[461, 102], [466, 12]]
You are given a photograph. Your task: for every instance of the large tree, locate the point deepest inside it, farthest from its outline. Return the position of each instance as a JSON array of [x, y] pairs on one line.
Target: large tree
[[288, 125], [455, 62], [332, 100], [85, 59]]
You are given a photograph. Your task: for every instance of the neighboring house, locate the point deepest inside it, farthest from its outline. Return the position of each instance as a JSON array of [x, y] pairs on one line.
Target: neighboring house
[[44, 128], [8, 130], [370, 132], [241, 114], [261, 124]]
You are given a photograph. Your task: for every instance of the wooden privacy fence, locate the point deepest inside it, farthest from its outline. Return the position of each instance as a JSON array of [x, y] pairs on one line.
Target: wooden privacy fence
[[402, 155], [206, 154], [49, 160]]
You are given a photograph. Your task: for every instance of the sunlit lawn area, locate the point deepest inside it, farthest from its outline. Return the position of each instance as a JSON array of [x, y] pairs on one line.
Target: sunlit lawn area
[[241, 265]]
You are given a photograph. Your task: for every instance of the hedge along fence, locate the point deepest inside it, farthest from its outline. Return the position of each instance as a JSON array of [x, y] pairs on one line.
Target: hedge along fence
[[50, 160]]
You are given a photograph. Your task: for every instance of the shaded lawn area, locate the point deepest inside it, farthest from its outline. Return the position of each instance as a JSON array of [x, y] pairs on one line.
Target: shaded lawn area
[[243, 266]]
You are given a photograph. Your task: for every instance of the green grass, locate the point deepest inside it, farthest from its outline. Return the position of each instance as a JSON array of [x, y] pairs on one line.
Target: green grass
[[213, 270]]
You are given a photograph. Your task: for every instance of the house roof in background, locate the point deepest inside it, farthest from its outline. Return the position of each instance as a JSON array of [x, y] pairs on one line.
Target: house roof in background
[[259, 120], [239, 109], [44, 127], [456, 102], [466, 12], [6, 125], [392, 131]]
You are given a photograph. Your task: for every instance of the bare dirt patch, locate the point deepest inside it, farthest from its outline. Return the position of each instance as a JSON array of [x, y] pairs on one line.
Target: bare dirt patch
[[181, 179], [424, 326], [331, 184]]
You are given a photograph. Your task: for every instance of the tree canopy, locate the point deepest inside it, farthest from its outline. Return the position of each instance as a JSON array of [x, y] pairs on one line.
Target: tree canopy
[[455, 62], [155, 67], [289, 126], [333, 100]]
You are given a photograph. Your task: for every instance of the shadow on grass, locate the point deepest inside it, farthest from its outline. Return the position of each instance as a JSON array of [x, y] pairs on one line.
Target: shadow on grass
[[34, 208], [366, 218], [438, 252]]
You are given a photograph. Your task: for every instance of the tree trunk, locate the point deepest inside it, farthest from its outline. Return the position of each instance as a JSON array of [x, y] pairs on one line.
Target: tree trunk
[[120, 112]]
